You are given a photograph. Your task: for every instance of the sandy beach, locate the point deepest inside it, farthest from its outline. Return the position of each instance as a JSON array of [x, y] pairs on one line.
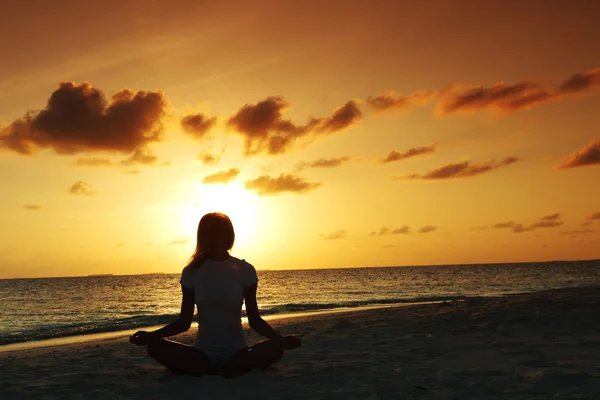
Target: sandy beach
[[532, 346]]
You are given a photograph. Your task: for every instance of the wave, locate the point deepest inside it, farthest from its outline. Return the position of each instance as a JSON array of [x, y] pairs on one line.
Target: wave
[[140, 321]]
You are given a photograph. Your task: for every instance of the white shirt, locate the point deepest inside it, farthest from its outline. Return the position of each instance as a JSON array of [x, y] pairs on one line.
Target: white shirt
[[219, 294]]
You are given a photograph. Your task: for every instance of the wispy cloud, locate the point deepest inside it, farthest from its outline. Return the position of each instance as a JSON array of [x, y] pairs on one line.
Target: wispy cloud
[[209, 158], [394, 101], [387, 231], [32, 207], [464, 169], [266, 185], [323, 163], [546, 221], [512, 97], [339, 234], [427, 229], [81, 188], [222, 176], [394, 156], [589, 155]]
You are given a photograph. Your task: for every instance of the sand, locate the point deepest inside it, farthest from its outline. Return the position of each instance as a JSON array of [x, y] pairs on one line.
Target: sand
[[532, 346]]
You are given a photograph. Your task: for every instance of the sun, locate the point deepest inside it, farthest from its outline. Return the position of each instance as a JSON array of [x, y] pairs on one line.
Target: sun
[[241, 205]]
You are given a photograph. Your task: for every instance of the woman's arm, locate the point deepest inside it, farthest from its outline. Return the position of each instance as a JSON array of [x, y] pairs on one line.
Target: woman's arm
[[176, 327], [258, 324]]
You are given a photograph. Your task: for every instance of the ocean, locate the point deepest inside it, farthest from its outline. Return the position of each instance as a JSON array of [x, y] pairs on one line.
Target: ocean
[[45, 308]]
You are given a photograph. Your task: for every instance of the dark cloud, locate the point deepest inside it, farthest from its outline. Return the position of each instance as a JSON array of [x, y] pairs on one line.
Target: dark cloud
[[81, 188], [323, 163], [339, 234], [502, 225], [222, 176], [387, 231], [32, 207], [508, 98], [589, 155], [581, 81], [341, 118], [179, 241], [427, 228], [78, 118], [499, 96], [265, 130], [394, 101], [198, 125], [393, 155], [595, 217], [266, 185], [551, 217], [463, 170], [545, 224]]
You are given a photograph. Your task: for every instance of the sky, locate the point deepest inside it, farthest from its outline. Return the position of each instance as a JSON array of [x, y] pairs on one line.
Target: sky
[[333, 133]]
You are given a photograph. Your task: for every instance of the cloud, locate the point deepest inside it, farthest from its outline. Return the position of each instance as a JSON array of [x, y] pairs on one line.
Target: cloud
[[499, 96], [581, 81], [393, 155], [32, 207], [509, 98], [179, 241], [222, 176], [463, 170], [546, 221], [198, 125], [394, 101], [323, 163], [265, 130], [209, 158], [141, 156], [551, 217], [81, 188], [341, 118], [78, 118], [427, 228], [594, 217], [266, 185], [132, 171], [387, 231], [589, 155], [518, 228], [339, 234]]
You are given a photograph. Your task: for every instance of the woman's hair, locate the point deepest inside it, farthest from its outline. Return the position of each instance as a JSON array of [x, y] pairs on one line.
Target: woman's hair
[[210, 226]]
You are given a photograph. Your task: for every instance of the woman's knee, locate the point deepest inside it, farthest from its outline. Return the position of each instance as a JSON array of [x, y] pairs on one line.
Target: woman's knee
[[153, 347]]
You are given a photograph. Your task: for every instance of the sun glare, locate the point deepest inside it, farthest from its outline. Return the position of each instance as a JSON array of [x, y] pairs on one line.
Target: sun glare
[[232, 199]]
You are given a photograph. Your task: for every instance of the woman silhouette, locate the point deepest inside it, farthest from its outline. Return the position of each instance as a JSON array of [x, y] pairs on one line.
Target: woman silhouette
[[217, 283]]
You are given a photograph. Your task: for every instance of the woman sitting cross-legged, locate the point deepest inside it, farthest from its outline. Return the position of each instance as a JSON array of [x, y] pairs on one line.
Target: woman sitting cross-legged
[[217, 283]]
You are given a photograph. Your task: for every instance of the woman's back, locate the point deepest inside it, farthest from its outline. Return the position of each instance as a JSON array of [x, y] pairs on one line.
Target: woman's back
[[219, 294]]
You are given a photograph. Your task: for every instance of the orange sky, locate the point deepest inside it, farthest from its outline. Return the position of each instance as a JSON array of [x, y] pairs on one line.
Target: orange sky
[[334, 133]]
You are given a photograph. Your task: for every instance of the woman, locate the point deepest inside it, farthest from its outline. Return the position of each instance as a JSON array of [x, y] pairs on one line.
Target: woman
[[218, 284]]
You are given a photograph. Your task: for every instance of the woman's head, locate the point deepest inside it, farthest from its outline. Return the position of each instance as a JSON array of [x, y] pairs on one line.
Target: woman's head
[[215, 235]]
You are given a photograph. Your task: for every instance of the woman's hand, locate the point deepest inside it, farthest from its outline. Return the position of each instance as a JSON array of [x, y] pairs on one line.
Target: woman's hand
[[291, 342], [141, 338]]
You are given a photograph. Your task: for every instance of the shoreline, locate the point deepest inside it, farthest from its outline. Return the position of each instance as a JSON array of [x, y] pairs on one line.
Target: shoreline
[[108, 335], [538, 345], [272, 318]]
